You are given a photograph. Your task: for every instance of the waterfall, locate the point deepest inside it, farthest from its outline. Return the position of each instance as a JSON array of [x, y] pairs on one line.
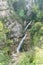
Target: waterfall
[[21, 42], [28, 25]]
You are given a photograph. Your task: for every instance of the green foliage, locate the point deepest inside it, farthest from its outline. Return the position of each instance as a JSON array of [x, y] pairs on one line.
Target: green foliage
[[6, 49], [36, 14], [36, 27], [31, 57], [26, 59], [4, 37], [2, 33], [40, 16], [21, 13], [38, 59], [1, 26], [4, 59], [37, 33], [20, 8]]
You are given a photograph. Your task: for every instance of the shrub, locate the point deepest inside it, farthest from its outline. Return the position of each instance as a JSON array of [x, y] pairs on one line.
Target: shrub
[[26, 59], [4, 59], [4, 38], [36, 14], [36, 33], [38, 56]]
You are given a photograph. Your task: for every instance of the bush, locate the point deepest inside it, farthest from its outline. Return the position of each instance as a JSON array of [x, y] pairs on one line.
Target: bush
[[31, 57], [38, 56], [4, 59], [4, 38], [26, 59], [36, 33], [36, 14]]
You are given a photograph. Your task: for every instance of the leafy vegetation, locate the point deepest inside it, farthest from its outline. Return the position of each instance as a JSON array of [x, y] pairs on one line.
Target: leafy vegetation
[[37, 33], [36, 56], [18, 11], [36, 14], [32, 57], [4, 58], [26, 59]]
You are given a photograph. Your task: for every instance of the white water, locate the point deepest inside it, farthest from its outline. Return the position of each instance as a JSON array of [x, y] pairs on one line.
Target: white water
[[21, 42]]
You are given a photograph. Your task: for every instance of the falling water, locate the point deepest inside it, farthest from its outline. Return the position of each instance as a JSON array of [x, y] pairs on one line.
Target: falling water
[[21, 42]]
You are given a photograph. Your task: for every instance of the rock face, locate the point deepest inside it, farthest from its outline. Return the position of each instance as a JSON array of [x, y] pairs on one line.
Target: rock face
[[29, 4], [3, 8], [15, 27], [11, 24]]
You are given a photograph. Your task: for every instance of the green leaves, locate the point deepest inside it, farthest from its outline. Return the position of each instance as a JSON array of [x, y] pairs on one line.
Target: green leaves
[[2, 36], [38, 59], [1, 64], [26, 59], [1, 26], [4, 59], [36, 14], [2, 32], [37, 34], [21, 13]]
